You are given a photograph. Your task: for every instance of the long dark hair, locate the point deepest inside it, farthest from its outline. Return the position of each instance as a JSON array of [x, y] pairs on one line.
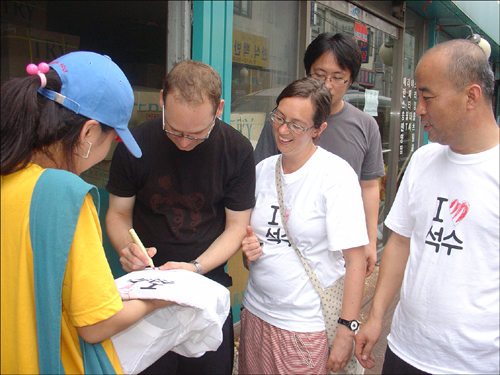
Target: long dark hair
[[30, 123]]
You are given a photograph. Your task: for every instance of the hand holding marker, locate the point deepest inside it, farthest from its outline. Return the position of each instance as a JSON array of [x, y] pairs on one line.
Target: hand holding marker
[[138, 242]]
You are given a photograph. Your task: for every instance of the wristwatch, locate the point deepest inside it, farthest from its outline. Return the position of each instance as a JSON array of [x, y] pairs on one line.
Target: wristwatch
[[197, 265], [353, 325]]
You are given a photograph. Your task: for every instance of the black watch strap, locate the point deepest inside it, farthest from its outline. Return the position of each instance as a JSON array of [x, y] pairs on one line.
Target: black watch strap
[[353, 325]]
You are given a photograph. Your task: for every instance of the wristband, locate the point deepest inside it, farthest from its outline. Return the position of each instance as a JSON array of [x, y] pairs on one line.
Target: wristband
[[197, 265]]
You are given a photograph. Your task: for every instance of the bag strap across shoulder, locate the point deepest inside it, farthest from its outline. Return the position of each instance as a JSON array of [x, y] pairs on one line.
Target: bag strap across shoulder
[[54, 211], [279, 190]]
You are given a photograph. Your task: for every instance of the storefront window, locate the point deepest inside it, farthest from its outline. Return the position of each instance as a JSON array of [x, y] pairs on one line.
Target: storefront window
[[265, 60], [243, 8], [132, 33], [411, 134]]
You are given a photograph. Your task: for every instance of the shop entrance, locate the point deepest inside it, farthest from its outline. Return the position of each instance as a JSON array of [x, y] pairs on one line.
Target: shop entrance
[[374, 90]]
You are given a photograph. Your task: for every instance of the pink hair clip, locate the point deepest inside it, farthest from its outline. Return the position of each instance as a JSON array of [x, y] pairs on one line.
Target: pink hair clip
[[41, 69]]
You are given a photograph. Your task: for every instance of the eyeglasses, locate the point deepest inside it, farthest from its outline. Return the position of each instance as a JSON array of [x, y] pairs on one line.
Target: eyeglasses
[[187, 136], [294, 128], [335, 81]]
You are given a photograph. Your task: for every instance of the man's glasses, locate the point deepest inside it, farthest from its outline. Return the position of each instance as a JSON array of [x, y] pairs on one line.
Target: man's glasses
[[294, 128], [187, 136], [335, 81]]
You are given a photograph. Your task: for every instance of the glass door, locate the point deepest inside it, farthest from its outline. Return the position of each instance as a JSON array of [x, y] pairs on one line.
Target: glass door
[[264, 54], [371, 92]]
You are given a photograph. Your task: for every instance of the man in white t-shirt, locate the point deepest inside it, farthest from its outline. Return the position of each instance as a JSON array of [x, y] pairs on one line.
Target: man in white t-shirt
[[444, 249]]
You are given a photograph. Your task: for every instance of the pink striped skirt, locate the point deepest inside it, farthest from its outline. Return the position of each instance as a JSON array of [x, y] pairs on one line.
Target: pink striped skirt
[[266, 349]]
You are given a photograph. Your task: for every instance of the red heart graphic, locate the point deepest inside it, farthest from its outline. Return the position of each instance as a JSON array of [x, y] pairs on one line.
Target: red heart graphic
[[458, 210], [288, 210]]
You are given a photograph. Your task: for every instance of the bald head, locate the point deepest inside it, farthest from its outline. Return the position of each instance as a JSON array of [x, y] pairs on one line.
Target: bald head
[[466, 64]]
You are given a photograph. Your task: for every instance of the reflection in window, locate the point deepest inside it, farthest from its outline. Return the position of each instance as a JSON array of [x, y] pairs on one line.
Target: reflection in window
[[243, 8], [264, 55], [374, 80]]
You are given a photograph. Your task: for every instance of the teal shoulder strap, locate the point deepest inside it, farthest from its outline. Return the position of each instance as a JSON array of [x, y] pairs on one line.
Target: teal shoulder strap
[[54, 211]]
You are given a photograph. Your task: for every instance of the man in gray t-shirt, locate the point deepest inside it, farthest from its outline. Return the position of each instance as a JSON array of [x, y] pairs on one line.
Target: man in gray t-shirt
[[351, 134]]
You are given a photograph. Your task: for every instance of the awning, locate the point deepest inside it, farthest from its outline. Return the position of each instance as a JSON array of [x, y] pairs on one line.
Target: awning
[[447, 13]]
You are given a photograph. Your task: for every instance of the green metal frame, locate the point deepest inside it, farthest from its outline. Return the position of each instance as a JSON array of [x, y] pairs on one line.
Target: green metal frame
[[212, 42]]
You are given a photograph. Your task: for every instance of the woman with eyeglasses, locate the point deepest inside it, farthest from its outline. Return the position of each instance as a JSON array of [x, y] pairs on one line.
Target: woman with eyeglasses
[[352, 134], [282, 324]]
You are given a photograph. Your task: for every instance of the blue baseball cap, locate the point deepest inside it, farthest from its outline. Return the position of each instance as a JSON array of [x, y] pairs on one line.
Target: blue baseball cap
[[95, 87]]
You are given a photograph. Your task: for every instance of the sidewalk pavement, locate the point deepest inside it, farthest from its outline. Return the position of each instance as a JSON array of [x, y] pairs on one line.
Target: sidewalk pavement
[[379, 349]]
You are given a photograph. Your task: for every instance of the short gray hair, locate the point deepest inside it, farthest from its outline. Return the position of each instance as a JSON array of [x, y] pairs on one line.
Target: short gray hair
[[467, 64]]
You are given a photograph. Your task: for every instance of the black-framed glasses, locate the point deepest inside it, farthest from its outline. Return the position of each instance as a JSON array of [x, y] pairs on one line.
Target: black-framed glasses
[[294, 128], [335, 81], [187, 136]]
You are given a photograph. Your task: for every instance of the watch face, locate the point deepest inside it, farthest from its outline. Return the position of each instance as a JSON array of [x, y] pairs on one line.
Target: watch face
[[354, 325]]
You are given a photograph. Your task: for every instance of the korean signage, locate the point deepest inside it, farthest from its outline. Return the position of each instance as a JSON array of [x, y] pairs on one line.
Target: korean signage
[[361, 32], [367, 77], [408, 116], [353, 11], [365, 52], [250, 49]]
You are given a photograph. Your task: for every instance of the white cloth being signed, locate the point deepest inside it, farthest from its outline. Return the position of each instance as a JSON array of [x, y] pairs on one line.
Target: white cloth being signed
[[191, 328]]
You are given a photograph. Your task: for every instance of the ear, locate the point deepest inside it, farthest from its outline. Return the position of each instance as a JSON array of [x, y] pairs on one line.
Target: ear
[[161, 98], [220, 108], [90, 130], [320, 129], [317, 131], [474, 95]]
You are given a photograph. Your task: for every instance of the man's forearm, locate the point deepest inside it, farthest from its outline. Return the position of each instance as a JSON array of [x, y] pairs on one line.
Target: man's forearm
[[119, 221], [391, 273], [117, 229], [223, 248], [228, 243]]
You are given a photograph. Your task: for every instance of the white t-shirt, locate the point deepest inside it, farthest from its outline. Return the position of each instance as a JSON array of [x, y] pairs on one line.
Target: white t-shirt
[[325, 215], [447, 320], [190, 328]]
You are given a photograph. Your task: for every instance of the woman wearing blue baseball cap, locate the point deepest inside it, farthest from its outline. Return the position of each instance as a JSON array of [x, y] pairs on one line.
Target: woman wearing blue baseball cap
[[59, 304]]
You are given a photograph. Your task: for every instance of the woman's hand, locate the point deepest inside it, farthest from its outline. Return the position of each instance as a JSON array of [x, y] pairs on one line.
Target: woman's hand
[[342, 347], [250, 247]]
